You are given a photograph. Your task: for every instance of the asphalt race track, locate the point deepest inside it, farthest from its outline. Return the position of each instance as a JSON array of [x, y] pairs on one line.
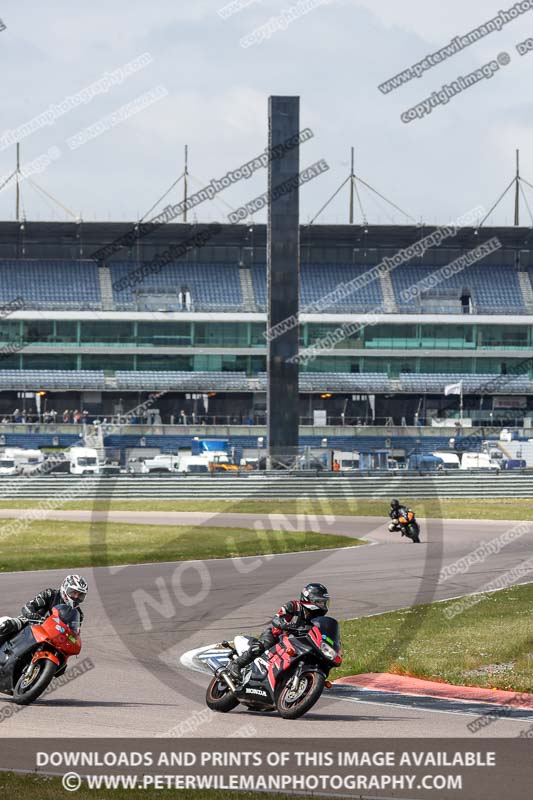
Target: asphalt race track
[[134, 695]]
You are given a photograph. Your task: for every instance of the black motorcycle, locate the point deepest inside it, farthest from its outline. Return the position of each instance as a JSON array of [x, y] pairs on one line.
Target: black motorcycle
[[288, 678], [407, 524]]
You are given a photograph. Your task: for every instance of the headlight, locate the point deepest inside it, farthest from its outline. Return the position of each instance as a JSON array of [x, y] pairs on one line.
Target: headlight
[[328, 651]]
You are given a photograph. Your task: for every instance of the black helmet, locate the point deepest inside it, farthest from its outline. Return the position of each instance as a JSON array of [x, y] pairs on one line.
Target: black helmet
[[315, 598], [395, 504]]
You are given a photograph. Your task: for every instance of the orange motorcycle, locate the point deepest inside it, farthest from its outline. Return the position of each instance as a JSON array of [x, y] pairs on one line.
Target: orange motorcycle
[[34, 656]]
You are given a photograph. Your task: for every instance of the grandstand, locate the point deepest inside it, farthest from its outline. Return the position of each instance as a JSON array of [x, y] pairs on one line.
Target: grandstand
[[92, 339]]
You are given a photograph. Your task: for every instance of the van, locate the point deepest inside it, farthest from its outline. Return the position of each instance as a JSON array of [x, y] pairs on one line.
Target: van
[[449, 460], [193, 465], [18, 461], [481, 461], [348, 460], [84, 461], [164, 462]]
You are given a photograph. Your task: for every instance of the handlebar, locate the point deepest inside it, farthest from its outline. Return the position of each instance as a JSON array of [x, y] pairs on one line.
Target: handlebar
[[31, 620]]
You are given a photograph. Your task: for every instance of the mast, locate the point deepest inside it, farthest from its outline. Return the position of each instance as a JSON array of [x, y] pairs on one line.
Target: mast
[[185, 174]]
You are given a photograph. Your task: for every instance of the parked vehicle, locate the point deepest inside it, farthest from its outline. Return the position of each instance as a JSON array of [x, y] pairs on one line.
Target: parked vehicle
[[84, 461], [18, 461], [196, 465], [425, 463], [348, 460], [164, 462], [479, 461], [137, 466], [449, 460]]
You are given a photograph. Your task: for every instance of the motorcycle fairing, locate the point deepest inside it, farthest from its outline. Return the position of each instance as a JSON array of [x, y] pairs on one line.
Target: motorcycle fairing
[[11, 653]]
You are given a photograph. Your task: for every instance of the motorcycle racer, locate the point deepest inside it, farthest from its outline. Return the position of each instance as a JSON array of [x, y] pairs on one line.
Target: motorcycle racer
[[294, 615], [72, 592]]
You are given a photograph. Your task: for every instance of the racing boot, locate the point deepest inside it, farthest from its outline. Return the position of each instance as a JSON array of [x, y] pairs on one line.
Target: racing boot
[[237, 664]]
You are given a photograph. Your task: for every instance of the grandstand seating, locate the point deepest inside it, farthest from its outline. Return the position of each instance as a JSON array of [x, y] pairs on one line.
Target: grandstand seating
[[183, 381], [490, 295], [474, 384], [349, 382], [240, 382], [61, 380], [217, 286], [50, 284], [213, 286], [318, 281], [204, 381]]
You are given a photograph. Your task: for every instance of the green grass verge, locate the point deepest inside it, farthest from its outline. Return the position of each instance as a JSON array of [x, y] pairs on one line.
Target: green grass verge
[[470, 508], [488, 645], [56, 545], [37, 787]]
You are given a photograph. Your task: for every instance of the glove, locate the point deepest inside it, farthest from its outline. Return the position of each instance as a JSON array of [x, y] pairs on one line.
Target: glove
[[10, 626]]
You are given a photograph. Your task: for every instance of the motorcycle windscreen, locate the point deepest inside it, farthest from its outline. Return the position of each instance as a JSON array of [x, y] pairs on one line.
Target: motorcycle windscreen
[[70, 616], [330, 630]]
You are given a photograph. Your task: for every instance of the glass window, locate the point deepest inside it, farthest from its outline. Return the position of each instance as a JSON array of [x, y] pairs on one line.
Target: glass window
[[66, 331], [51, 361], [109, 331], [503, 336], [257, 334], [221, 334], [9, 330], [37, 330], [107, 363], [164, 334], [178, 363]]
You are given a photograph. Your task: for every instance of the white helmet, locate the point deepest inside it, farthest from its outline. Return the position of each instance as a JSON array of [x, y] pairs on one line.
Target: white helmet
[[73, 590]]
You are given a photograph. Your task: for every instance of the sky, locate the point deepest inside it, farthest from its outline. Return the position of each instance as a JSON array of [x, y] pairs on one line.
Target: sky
[[196, 84]]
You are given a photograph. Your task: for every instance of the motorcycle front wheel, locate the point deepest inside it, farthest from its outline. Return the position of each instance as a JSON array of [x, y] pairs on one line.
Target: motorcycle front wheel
[[414, 533], [293, 703], [219, 697], [33, 681]]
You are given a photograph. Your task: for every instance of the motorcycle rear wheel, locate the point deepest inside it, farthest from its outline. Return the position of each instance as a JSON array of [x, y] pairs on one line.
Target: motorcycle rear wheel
[[219, 698], [305, 699], [33, 681]]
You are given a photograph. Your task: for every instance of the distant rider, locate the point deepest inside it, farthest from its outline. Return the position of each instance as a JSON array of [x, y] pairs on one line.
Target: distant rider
[[294, 615], [397, 510], [72, 592]]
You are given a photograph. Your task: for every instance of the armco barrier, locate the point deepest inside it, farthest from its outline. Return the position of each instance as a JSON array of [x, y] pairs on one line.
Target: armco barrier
[[271, 485]]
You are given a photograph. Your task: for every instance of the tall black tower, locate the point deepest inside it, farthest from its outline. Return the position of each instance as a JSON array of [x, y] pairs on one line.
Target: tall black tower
[[283, 271]]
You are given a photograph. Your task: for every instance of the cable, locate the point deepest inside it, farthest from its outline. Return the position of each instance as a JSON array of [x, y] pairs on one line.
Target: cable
[[8, 179], [51, 197], [162, 197], [525, 201]]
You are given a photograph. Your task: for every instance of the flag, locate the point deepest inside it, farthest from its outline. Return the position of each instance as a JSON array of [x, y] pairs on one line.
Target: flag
[[454, 388]]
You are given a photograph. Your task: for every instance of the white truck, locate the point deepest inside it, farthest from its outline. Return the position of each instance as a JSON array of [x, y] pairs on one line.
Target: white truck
[[197, 465], [347, 459], [164, 462], [17, 461], [84, 461], [450, 460], [479, 461]]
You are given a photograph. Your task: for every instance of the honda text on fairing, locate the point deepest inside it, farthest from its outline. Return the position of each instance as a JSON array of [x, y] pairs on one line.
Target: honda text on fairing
[[289, 677], [38, 653]]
